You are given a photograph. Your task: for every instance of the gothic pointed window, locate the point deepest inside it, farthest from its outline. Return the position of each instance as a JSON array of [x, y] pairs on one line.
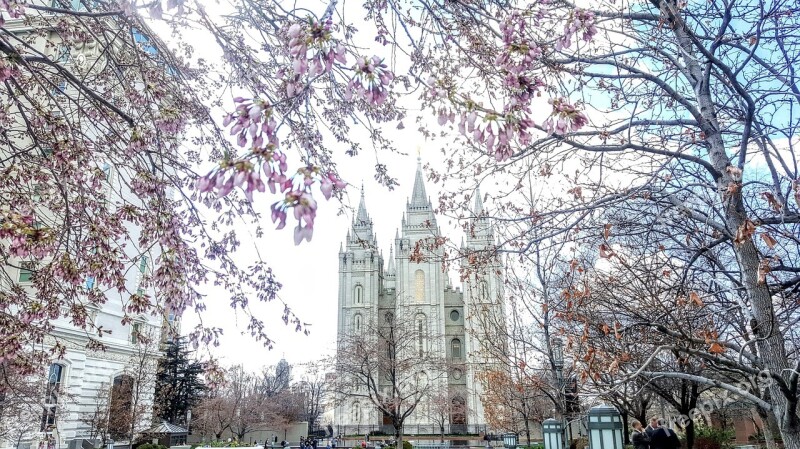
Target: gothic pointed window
[[420, 329], [455, 348], [419, 286], [358, 294], [483, 290]]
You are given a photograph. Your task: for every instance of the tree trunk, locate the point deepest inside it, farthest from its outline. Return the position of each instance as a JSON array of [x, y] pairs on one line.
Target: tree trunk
[[528, 431], [689, 429], [398, 435], [625, 434], [770, 341], [767, 421], [770, 344]]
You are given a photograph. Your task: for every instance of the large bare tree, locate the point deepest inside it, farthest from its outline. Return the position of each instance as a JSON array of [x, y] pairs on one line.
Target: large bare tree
[[390, 365]]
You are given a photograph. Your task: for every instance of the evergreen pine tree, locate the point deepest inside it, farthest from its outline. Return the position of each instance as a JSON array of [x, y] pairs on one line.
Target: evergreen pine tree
[[179, 385]]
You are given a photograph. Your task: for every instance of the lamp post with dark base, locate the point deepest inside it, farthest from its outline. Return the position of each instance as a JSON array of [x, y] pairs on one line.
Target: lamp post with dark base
[[510, 440], [605, 428], [553, 433], [557, 348]]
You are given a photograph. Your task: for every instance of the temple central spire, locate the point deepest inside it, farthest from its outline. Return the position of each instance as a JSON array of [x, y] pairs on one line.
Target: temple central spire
[[362, 218], [419, 199]]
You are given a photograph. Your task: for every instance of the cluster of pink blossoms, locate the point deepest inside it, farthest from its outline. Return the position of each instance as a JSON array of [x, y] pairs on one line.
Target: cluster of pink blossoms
[[171, 123], [581, 21], [564, 118], [25, 238], [314, 51], [254, 123], [14, 8], [495, 134], [303, 203], [498, 131], [7, 68], [316, 38], [519, 52], [517, 62], [371, 81]]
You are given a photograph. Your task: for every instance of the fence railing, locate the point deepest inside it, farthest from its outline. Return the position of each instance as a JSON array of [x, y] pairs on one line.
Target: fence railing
[[409, 429]]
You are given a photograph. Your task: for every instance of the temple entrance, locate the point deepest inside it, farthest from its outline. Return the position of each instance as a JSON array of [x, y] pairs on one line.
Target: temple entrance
[[458, 416]]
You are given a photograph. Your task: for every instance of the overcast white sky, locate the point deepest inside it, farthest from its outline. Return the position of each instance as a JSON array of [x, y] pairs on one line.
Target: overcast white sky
[[309, 272]]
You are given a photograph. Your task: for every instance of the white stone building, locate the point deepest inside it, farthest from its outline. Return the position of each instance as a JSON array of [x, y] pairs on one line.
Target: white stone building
[[371, 287], [72, 386], [75, 384]]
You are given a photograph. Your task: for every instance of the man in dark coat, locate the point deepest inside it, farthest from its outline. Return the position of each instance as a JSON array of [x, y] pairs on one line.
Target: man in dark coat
[[639, 438], [652, 427], [664, 438]]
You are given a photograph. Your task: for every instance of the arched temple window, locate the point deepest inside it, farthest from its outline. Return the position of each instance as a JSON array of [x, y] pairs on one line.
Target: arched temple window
[[358, 294], [419, 286], [483, 290], [455, 348], [421, 323]]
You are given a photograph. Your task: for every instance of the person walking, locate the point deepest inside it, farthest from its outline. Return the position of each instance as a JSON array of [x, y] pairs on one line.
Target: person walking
[[639, 437]]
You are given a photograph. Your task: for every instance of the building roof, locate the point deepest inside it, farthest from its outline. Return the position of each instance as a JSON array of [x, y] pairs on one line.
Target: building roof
[[167, 428]]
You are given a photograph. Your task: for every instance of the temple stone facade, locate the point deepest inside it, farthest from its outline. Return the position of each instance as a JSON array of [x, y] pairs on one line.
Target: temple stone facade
[[371, 286]]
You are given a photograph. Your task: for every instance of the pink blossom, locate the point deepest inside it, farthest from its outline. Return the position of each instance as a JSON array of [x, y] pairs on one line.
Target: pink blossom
[[520, 51], [371, 80], [15, 9], [294, 30], [279, 215], [564, 118], [582, 21], [329, 182], [315, 38], [303, 232], [8, 69]]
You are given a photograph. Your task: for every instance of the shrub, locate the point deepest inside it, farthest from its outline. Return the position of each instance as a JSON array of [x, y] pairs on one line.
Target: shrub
[[151, 446], [407, 445], [712, 438], [579, 443]]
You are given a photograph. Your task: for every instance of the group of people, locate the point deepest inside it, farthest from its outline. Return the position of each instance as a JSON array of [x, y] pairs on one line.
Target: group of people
[[654, 436]]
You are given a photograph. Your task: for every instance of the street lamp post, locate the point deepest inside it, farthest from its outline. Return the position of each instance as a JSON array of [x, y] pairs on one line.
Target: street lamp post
[[605, 428], [557, 346], [510, 440], [553, 433]]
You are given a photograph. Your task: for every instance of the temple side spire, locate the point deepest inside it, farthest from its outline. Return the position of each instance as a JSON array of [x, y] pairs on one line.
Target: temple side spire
[[391, 270]]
